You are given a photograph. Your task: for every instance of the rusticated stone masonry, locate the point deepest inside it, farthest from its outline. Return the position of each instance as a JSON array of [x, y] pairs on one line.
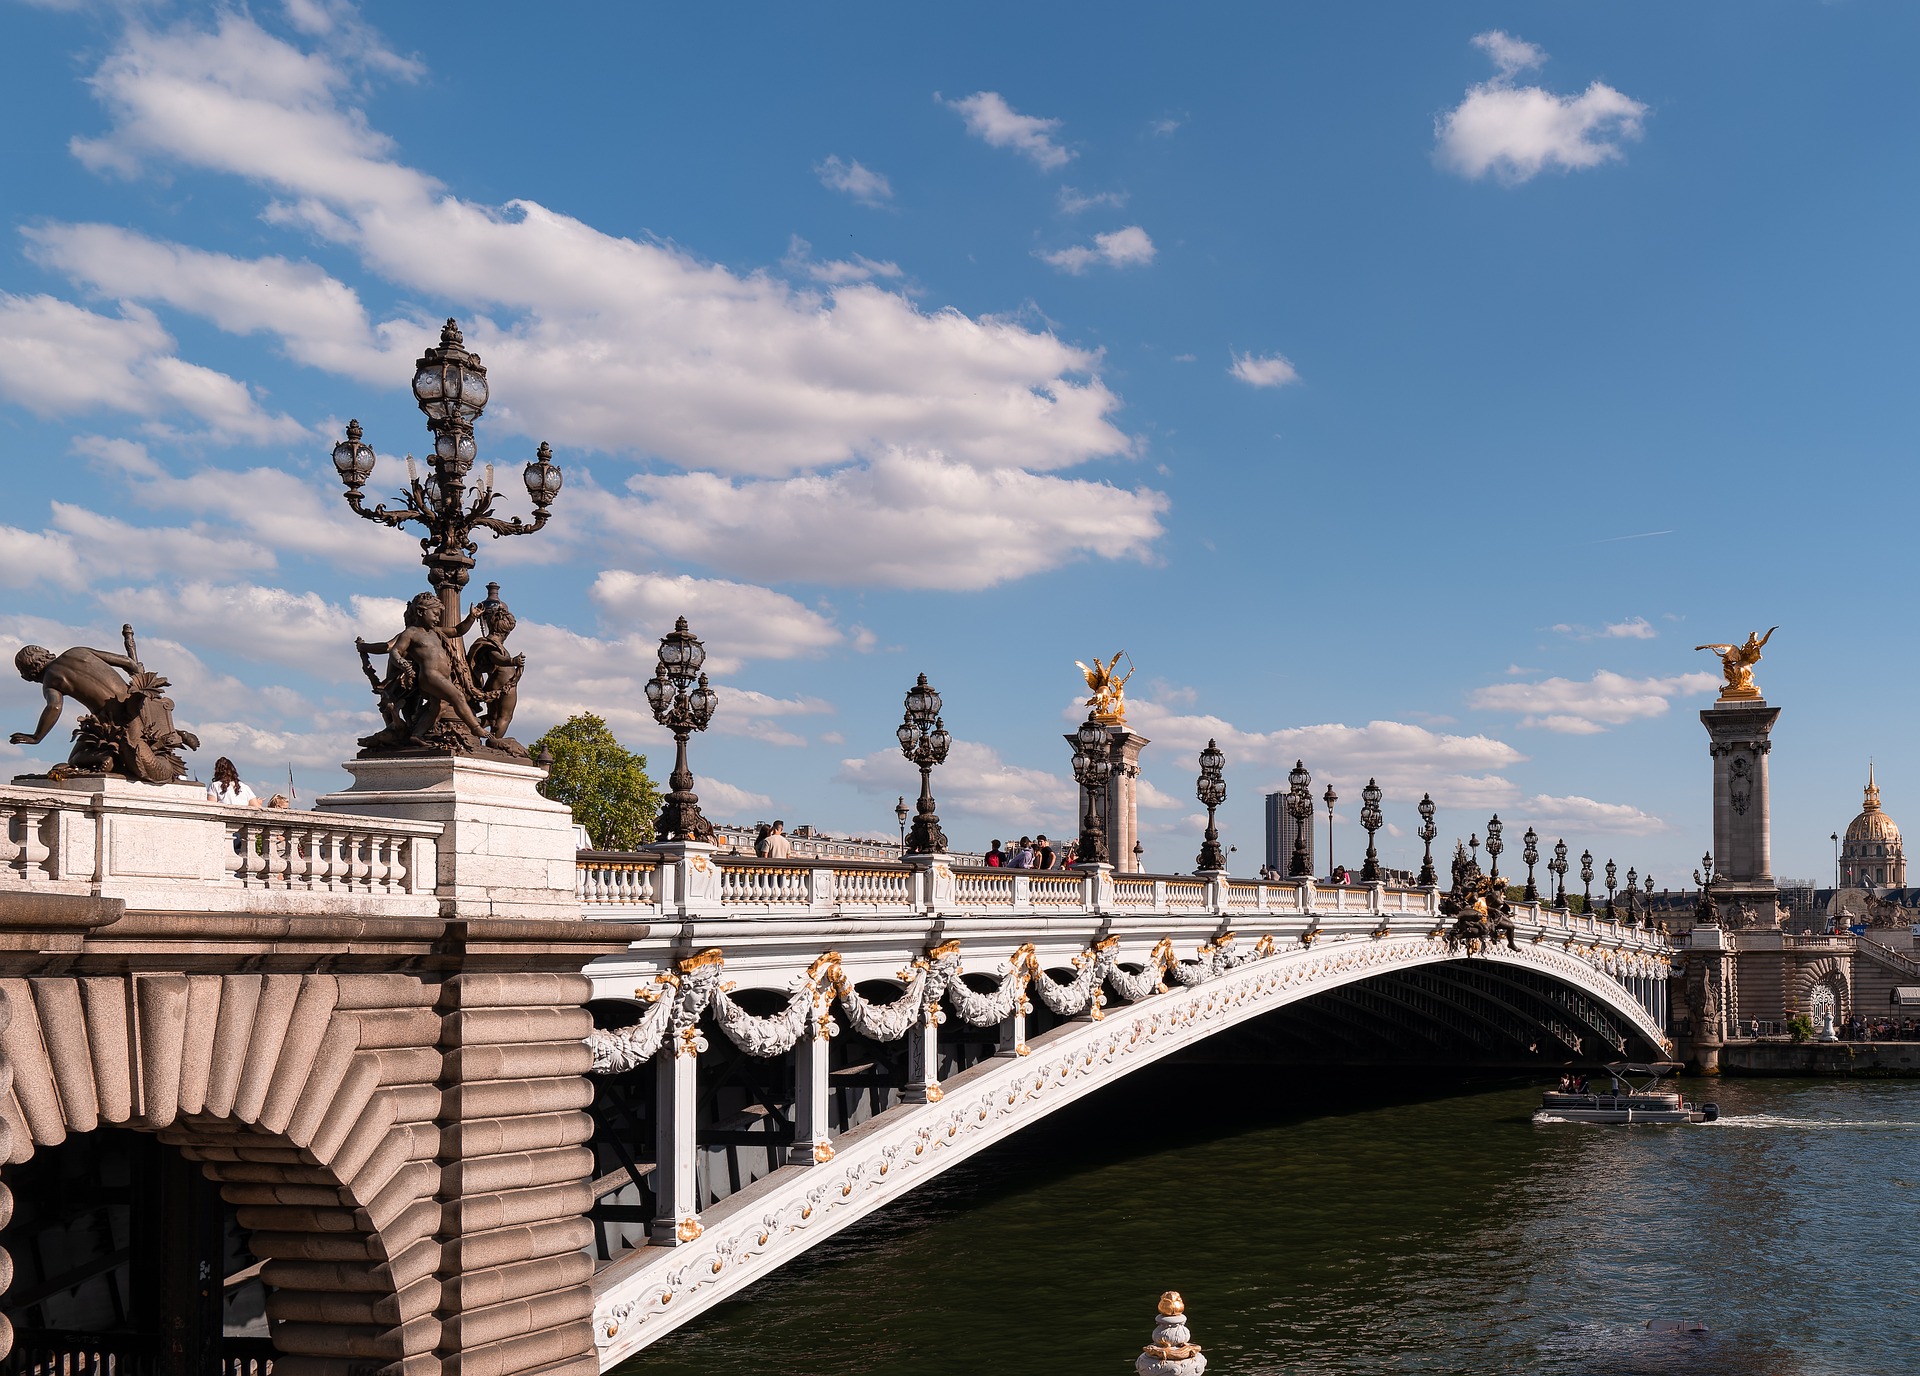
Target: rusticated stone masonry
[[396, 1108]]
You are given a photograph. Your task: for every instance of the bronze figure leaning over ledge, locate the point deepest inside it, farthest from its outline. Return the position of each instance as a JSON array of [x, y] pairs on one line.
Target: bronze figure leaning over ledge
[[436, 687], [128, 729]]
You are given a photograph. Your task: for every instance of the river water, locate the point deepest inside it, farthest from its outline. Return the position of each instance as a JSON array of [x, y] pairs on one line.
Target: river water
[[1374, 1225]]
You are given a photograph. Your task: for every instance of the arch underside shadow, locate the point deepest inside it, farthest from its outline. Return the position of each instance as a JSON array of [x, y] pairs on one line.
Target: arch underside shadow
[[1410, 999]]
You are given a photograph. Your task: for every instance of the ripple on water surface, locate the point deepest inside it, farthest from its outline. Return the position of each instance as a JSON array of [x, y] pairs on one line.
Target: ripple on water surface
[[1366, 1229]]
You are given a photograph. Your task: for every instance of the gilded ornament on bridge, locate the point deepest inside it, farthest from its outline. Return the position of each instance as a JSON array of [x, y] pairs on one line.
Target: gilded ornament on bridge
[[1736, 662], [1109, 700]]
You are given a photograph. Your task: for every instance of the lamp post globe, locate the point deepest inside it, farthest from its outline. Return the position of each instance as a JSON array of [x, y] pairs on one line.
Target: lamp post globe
[[1428, 879], [1371, 818], [682, 701], [1092, 767], [1211, 789], [1330, 798], [1300, 808], [923, 739]]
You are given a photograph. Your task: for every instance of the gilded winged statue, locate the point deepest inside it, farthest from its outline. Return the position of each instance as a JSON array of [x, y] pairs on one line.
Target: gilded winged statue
[[1109, 700], [1737, 661]]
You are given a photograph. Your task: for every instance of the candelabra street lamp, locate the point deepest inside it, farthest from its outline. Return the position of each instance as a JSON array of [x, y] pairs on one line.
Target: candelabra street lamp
[[1559, 867], [450, 387], [1300, 808], [1211, 790], [1428, 879], [1633, 894], [1530, 852], [1092, 767], [683, 703], [900, 816], [1613, 880], [924, 741], [1586, 880], [1330, 798], [1648, 881], [1371, 819], [1494, 846]]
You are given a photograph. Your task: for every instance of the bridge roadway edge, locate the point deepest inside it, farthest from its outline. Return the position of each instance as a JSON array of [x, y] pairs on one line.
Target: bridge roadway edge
[[641, 1297]]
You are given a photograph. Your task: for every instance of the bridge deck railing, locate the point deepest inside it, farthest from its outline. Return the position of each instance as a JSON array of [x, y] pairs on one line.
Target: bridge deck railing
[[168, 849], [668, 883]]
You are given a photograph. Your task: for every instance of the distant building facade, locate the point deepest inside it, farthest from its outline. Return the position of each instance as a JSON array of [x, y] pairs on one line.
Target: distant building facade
[[1281, 830], [1871, 856]]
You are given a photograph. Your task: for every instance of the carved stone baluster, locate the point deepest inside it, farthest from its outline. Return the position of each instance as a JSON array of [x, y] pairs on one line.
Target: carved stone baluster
[[31, 858], [399, 862], [377, 867]]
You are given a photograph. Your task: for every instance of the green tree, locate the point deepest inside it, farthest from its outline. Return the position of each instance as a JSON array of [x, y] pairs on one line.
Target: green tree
[[604, 783]]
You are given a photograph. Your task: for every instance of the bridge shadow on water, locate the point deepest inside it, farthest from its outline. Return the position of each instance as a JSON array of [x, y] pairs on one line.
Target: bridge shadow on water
[[1365, 1219]]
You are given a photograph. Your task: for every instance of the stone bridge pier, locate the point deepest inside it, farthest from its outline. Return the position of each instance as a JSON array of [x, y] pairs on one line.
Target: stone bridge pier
[[386, 1090]]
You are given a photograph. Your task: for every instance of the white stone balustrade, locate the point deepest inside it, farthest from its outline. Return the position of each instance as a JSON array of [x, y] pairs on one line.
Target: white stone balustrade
[[166, 849], [631, 884]]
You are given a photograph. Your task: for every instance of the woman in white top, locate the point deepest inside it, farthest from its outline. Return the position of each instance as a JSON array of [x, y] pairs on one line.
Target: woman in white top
[[227, 788]]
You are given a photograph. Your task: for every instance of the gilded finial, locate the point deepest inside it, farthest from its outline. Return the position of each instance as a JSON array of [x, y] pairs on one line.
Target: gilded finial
[[1171, 1303], [1873, 790], [1736, 663]]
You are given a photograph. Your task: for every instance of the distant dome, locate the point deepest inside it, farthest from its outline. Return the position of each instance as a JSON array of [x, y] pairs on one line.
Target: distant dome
[[1870, 854]]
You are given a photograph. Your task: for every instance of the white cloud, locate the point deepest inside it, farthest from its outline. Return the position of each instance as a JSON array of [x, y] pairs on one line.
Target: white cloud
[[58, 359], [1588, 707], [1516, 132], [725, 801], [906, 520], [28, 557], [632, 346], [991, 119], [976, 784], [1122, 248], [1511, 55], [1263, 370], [1575, 814], [836, 271], [1460, 771], [1633, 628], [298, 629], [737, 621], [1072, 202], [860, 182]]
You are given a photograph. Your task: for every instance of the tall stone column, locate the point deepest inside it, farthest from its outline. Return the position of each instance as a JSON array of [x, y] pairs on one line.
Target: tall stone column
[[1122, 803], [1739, 739]]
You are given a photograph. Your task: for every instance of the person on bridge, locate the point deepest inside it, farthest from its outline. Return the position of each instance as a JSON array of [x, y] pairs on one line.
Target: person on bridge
[[995, 859], [1043, 856], [778, 846]]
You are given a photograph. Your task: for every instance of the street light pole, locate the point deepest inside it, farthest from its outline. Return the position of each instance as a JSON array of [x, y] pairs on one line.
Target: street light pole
[[1370, 818], [1092, 767], [682, 702], [1330, 798], [1211, 790], [924, 741], [1428, 879], [1300, 808]]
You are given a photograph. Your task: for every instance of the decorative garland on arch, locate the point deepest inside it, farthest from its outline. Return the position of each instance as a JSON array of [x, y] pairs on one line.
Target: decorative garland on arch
[[677, 998]]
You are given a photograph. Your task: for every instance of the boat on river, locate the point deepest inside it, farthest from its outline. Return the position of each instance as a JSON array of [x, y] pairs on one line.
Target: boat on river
[[1634, 1096]]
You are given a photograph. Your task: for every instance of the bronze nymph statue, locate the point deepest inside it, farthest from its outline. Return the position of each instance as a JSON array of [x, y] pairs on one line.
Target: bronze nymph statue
[[439, 696], [128, 728]]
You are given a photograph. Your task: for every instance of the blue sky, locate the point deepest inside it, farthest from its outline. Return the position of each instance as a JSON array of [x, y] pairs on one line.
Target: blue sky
[[1406, 388]]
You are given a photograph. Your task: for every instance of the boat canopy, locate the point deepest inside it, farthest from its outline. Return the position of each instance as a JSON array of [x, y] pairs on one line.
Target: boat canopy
[[1657, 1068], [1905, 996]]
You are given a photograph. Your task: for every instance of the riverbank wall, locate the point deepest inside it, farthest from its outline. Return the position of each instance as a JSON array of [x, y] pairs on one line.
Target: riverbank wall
[[1841, 1060]]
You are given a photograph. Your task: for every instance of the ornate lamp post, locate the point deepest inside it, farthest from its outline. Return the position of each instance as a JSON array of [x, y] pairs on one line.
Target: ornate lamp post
[[1494, 846], [1428, 879], [924, 741], [1633, 894], [1648, 881], [1530, 852], [1330, 798], [1371, 819], [1559, 867], [1300, 808], [1211, 790], [450, 387], [1138, 851], [1613, 880], [900, 816], [1473, 844], [683, 703], [1586, 878], [1092, 767]]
